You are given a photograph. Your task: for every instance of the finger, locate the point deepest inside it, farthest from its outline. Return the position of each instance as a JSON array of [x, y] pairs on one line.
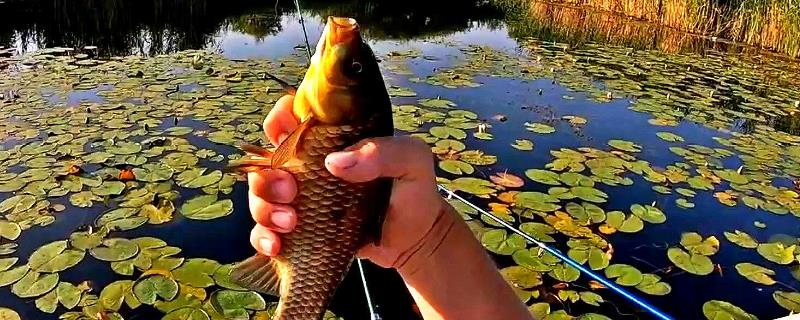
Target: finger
[[275, 186], [265, 241], [392, 157], [276, 217], [280, 121]]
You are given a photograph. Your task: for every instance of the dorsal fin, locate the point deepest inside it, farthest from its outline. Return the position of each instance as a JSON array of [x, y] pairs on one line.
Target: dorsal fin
[[288, 148], [290, 89], [259, 273]]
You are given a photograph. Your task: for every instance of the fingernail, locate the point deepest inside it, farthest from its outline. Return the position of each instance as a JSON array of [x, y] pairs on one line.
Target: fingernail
[[282, 219], [266, 245], [280, 190], [342, 160]]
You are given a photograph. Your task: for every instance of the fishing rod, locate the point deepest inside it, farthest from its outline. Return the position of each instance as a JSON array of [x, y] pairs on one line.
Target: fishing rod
[[566, 259]]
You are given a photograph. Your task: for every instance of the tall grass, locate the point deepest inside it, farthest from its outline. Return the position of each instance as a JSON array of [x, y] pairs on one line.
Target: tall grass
[[769, 24]]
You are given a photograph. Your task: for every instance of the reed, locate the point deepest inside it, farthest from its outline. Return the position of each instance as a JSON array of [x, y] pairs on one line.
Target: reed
[[768, 24]]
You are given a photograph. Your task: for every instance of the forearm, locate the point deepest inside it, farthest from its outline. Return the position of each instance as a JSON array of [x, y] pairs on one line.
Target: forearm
[[454, 278]]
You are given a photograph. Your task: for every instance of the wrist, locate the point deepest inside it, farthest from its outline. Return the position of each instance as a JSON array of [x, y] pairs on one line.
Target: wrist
[[415, 258]]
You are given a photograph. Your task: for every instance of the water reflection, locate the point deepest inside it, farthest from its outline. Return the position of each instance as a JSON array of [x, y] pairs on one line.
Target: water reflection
[[121, 27]]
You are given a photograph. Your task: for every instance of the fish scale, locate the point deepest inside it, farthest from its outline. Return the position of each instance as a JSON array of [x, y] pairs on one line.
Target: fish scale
[[330, 219]]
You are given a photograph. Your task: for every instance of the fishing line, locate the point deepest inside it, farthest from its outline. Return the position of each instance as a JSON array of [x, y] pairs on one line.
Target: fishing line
[[303, 26], [619, 290], [372, 314]]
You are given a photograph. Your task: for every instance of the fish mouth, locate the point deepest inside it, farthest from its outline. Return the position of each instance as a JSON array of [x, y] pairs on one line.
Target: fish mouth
[[338, 31]]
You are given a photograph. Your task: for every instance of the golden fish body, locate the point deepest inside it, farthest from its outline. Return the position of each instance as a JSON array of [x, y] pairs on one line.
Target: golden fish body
[[334, 217]]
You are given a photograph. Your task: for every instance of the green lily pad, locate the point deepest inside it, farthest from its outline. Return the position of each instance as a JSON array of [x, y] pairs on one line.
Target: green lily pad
[[456, 167], [196, 272], [683, 203], [148, 289], [6, 263], [13, 275], [48, 302], [695, 243], [195, 178], [624, 274], [17, 203], [115, 249], [788, 300], [589, 194], [85, 240], [565, 273], [153, 172], [652, 285], [69, 295], [9, 314], [648, 213], [113, 294], [187, 313], [777, 252], [741, 239], [222, 277], [54, 257], [540, 128], [721, 310], [617, 220], [124, 147], [543, 176], [591, 298], [669, 136], [34, 285], [108, 188], [523, 145], [625, 145], [9, 230], [693, 263], [756, 273], [521, 277], [83, 199], [231, 301], [206, 207], [759, 224], [443, 132], [499, 242]]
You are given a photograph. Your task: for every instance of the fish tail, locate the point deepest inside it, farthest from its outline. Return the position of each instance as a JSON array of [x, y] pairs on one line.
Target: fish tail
[[304, 292]]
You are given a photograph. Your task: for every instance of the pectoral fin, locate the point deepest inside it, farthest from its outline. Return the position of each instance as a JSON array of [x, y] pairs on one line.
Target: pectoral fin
[[290, 89], [288, 148], [259, 273]]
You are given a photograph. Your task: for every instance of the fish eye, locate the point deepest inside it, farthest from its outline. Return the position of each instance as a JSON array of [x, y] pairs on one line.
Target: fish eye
[[356, 67]]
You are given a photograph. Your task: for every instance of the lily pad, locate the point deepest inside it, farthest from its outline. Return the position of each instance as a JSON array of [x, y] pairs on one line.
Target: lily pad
[[788, 300], [230, 301], [13, 275], [722, 310], [695, 243], [9, 230], [777, 252], [625, 145], [69, 295], [756, 273], [55, 257], [543, 176], [693, 263], [523, 145], [34, 285], [456, 167], [148, 289], [741, 239], [652, 285], [109, 188], [648, 213], [540, 128], [115, 249], [206, 207], [499, 242], [624, 274], [196, 272], [669, 136]]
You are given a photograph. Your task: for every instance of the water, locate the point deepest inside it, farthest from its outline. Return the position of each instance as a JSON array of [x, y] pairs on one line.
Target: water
[[570, 64]]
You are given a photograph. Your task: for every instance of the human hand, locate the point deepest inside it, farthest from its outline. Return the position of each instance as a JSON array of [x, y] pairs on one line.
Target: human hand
[[415, 207]]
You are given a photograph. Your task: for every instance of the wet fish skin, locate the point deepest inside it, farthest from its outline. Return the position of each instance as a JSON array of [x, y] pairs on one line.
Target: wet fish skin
[[334, 217]]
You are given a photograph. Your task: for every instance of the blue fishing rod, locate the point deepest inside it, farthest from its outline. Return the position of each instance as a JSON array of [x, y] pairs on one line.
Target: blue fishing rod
[[613, 286]]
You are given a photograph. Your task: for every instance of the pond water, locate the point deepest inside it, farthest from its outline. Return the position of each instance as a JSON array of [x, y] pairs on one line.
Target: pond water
[[637, 150]]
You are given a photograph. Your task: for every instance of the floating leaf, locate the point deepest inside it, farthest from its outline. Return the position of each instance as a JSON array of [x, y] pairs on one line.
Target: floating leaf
[[196, 272], [540, 128], [669, 136], [521, 277], [9, 230], [625, 145], [625, 275], [151, 172], [648, 213], [777, 252], [683, 203], [13, 275], [759, 224], [54, 257], [83, 199], [788, 300], [68, 294], [151, 287], [721, 310], [523, 145], [113, 294], [565, 273], [115, 249], [222, 277], [543, 176], [695, 243], [651, 284], [48, 303], [231, 301], [741, 239], [507, 180], [206, 207], [443, 132], [756, 273], [589, 194], [109, 188], [499, 242], [692, 263], [34, 285], [456, 167], [8, 314]]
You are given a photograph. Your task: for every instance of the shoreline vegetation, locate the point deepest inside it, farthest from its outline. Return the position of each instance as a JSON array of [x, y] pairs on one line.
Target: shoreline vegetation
[[773, 25]]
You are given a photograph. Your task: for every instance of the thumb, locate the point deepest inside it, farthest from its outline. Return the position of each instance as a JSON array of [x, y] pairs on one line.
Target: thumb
[[391, 157]]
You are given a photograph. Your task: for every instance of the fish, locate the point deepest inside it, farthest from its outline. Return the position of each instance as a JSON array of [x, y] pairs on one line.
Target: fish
[[341, 100]]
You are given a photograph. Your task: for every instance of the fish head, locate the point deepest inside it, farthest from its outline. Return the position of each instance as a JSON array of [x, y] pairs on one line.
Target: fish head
[[343, 83]]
